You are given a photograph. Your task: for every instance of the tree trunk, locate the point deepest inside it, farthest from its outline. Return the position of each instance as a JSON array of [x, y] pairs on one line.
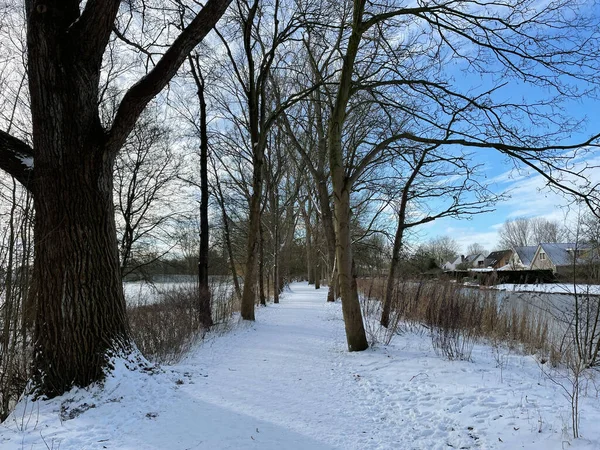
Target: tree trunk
[[227, 238], [80, 315], [261, 269], [309, 248], [204, 296], [317, 257], [81, 320], [404, 199], [252, 248], [355, 331], [327, 216], [276, 289], [389, 287]]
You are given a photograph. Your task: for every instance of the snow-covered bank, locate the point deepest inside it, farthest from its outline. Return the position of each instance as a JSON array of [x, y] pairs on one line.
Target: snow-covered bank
[[287, 382], [551, 288]]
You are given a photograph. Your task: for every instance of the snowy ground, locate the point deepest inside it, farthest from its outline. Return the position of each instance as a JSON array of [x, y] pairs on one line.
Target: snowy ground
[[287, 382]]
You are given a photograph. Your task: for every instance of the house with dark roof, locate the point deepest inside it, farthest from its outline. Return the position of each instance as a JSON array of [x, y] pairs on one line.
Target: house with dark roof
[[522, 257], [496, 260], [559, 257], [472, 261]]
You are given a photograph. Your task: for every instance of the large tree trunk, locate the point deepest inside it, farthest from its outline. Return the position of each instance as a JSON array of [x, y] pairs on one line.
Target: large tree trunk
[[355, 330], [80, 315], [81, 320]]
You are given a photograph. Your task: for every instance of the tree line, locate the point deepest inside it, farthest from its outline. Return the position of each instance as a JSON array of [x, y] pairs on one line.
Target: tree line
[[307, 124]]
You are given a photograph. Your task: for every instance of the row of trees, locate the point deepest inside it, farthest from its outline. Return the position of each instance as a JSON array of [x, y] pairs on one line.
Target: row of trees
[[322, 120]]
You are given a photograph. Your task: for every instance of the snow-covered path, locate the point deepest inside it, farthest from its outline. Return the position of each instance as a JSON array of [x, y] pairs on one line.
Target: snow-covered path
[[287, 382]]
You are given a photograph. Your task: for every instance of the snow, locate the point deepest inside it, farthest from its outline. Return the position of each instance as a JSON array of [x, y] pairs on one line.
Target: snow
[[143, 292], [288, 382], [548, 288], [26, 160]]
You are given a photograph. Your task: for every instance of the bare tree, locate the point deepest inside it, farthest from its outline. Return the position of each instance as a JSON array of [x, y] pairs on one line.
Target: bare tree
[[146, 179], [442, 249], [80, 308], [476, 249], [526, 231], [422, 188]]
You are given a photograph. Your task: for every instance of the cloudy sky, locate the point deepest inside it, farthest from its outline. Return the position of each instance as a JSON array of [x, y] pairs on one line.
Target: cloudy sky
[[529, 197]]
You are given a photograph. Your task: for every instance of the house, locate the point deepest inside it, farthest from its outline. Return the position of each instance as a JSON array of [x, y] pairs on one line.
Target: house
[[522, 257], [498, 259], [465, 262], [448, 266], [471, 261], [559, 257]]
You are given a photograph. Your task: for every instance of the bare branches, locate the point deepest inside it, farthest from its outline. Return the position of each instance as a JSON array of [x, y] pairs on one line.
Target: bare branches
[[140, 94]]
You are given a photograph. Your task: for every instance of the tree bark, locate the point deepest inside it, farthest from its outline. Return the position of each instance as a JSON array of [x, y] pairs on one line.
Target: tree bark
[[80, 320], [252, 248], [353, 321]]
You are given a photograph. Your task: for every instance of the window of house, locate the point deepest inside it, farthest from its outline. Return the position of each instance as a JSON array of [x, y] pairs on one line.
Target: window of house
[[542, 256]]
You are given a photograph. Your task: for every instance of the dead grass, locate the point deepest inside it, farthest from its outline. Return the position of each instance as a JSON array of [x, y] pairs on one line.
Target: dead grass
[[457, 317], [165, 330]]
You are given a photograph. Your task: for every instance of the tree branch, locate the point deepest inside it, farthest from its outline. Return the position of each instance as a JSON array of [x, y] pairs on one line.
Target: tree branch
[[92, 30], [16, 158], [142, 92]]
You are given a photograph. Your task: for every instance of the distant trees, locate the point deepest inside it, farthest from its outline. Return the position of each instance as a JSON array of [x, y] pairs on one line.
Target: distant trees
[[146, 181], [442, 249], [524, 231]]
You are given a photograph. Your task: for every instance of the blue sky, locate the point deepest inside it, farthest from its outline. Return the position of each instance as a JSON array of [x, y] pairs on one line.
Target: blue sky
[[528, 196]]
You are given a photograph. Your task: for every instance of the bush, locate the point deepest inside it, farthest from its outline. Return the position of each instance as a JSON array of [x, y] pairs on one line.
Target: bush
[[166, 329]]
